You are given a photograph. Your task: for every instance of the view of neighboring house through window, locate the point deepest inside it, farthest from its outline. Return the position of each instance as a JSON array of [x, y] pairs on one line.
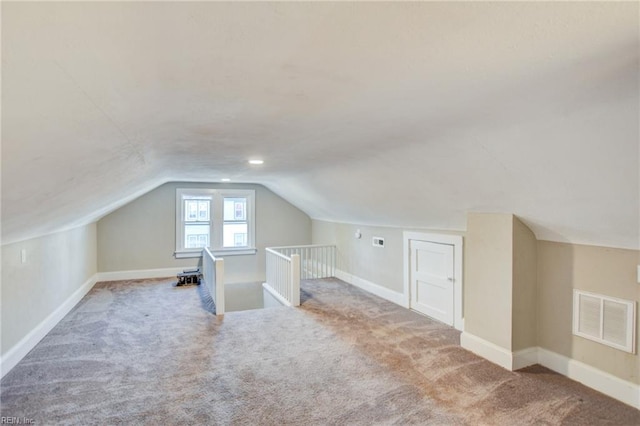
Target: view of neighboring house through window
[[197, 227], [221, 219], [235, 222]]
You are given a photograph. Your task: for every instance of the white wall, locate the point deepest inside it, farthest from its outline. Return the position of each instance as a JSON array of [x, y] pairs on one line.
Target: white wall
[[58, 271], [359, 258], [489, 278], [563, 267], [141, 234], [525, 281], [500, 281], [382, 266]]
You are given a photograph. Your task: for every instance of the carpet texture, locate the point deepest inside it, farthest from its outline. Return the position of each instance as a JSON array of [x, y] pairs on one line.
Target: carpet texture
[[147, 352]]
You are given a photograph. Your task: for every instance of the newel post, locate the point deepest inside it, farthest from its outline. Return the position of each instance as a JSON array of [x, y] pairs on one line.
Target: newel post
[[295, 280]]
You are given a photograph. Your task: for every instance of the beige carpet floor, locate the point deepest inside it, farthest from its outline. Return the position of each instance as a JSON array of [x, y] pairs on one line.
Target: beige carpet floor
[[146, 352]]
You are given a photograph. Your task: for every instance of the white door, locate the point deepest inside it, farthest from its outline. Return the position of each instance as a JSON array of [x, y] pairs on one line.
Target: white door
[[431, 280]]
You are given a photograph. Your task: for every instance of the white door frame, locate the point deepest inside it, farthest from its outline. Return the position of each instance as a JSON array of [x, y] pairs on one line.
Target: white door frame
[[456, 241]]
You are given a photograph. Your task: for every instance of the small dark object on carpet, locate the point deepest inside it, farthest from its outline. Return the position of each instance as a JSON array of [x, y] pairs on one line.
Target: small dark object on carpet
[[189, 276]]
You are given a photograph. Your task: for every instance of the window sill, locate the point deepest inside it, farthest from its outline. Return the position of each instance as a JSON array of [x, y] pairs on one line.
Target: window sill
[[221, 253]]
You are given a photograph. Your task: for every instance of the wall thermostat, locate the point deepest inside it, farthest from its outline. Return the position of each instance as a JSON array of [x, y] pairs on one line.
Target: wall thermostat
[[378, 242]]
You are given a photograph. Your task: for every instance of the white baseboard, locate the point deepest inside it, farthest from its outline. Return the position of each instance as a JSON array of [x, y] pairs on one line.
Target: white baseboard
[[378, 290], [608, 384], [28, 342], [524, 358], [487, 350], [140, 274]]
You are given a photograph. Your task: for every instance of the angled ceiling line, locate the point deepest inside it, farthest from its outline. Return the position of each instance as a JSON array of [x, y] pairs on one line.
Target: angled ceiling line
[[134, 147]]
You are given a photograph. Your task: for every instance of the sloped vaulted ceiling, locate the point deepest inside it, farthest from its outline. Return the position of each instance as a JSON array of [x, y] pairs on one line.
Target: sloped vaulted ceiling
[[408, 114]]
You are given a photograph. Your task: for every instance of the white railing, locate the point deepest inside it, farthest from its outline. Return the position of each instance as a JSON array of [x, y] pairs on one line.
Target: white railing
[[213, 277], [316, 261], [283, 277], [286, 266]]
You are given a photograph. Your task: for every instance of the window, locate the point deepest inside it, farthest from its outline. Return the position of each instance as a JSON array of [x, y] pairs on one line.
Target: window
[[235, 226], [221, 219], [197, 227]]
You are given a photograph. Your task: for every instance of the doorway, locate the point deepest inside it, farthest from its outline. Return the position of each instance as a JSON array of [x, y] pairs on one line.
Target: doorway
[[433, 276]]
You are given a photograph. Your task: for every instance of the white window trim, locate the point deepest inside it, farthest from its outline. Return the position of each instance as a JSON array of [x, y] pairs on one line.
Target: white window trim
[[217, 207]]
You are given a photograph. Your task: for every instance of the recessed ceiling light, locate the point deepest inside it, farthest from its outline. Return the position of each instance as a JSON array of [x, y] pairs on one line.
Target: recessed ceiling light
[[225, 180], [256, 162]]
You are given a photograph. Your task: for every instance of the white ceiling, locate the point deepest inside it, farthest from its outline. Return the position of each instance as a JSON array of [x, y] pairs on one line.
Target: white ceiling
[[408, 114]]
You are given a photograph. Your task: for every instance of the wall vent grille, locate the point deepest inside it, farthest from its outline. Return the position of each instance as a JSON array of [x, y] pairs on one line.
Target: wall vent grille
[[604, 319]]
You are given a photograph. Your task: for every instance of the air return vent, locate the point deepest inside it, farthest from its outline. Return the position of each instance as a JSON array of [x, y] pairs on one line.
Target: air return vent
[[604, 319]]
